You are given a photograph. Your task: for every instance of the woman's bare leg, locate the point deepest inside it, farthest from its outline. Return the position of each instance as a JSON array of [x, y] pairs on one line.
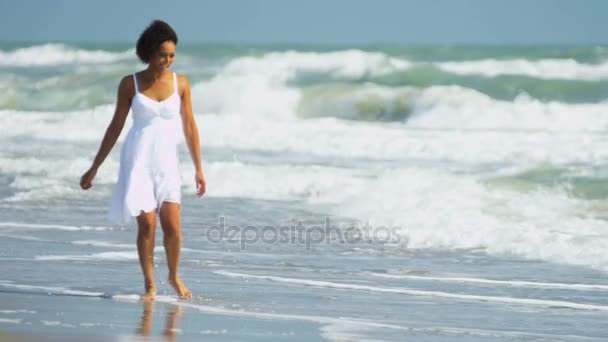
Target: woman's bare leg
[[146, 227], [170, 222]]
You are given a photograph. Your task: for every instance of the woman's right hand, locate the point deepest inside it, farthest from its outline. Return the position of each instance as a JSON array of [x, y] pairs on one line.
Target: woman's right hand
[[87, 178]]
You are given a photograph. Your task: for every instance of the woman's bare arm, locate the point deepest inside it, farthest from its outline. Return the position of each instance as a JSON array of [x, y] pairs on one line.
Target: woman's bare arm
[[123, 104], [191, 134]]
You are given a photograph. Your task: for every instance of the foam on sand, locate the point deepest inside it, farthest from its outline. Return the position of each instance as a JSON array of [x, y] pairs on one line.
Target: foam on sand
[[54, 290], [333, 328], [514, 283], [108, 256], [406, 291], [41, 226]]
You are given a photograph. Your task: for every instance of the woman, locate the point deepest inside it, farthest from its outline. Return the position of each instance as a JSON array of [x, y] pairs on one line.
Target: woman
[[149, 178]]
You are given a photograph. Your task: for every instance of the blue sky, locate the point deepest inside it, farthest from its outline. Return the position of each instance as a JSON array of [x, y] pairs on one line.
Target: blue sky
[[312, 21]]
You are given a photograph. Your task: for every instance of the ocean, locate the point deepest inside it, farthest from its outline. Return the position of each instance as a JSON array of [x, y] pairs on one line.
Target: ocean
[[371, 193]]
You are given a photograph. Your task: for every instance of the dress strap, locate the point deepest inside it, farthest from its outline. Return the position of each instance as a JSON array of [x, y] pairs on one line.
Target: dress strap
[[135, 82], [175, 90]]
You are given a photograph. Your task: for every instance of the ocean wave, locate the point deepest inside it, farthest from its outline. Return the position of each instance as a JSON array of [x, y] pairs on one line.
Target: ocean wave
[[504, 87], [77, 125], [262, 85], [451, 106], [288, 182], [350, 84], [445, 125], [568, 69], [441, 210], [37, 178], [289, 65], [454, 107], [59, 54], [271, 86], [67, 92], [358, 102], [447, 107], [434, 207]]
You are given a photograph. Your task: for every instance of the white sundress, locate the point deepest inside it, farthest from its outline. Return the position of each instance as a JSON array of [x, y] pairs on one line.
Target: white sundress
[[149, 173]]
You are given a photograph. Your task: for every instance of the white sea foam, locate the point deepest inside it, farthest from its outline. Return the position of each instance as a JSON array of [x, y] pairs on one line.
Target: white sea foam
[[51, 289], [437, 210], [137, 298], [106, 256], [288, 182], [104, 244], [259, 85], [74, 126], [285, 66], [23, 237], [60, 54], [11, 320], [18, 311], [437, 108], [464, 118], [568, 69], [36, 178], [406, 291], [455, 107], [41, 167], [213, 332], [332, 138], [514, 283], [434, 209], [42, 226], [51, 323]]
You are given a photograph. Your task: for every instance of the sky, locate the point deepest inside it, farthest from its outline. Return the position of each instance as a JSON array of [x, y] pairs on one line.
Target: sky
[[526, 22]]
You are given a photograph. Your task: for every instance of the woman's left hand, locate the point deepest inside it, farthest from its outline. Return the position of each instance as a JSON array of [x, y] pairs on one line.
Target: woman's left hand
[[201, 185]]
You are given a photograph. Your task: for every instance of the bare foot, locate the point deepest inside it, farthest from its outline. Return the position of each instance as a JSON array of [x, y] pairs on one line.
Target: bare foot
[[150, 292], [180, 289]]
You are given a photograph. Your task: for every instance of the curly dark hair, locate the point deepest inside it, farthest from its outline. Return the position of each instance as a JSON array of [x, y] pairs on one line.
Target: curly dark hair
[[152, 37]]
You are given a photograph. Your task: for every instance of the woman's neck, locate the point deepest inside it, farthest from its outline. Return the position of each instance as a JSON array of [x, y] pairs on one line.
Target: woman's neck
[[154, 74]]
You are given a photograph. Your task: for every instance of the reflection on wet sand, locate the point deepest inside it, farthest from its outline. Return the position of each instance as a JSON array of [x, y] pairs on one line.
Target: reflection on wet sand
[[147, 316]]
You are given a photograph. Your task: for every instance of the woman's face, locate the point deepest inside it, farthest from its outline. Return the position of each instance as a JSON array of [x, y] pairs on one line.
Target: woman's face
[[163, 58]]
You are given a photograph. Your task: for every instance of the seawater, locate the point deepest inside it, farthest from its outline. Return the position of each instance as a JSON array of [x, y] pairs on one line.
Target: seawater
[[462, 188]]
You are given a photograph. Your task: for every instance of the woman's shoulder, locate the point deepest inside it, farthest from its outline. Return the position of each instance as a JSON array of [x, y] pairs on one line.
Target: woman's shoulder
[[181, 79], [127, 80], [182, 83], [127, 85]]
